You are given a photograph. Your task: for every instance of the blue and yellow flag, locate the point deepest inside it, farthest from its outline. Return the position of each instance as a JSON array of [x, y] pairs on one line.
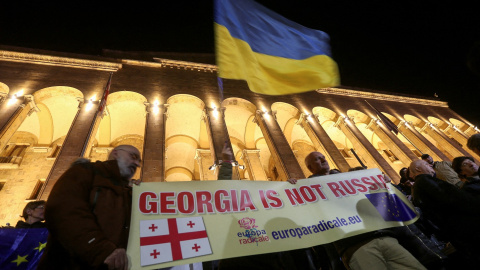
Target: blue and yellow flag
[[273, 54]]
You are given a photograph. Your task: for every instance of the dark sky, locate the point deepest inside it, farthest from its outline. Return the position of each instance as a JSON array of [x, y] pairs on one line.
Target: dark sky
[[414, 47]]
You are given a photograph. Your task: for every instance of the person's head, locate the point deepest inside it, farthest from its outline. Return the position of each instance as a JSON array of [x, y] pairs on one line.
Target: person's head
[[128, 159], [465, 166], [403, 173], [418, 167], [358, 168], [406, 182], [34, 211], [317, 163], [334, 171], [473, 143], [407, 175], [427, 158]]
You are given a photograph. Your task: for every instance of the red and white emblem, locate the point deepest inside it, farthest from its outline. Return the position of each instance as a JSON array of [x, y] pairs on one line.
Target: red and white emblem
[[165, 240]]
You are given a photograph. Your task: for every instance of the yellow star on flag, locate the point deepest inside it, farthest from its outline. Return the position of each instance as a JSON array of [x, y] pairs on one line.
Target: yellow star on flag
[[20, 259], [41, 246]]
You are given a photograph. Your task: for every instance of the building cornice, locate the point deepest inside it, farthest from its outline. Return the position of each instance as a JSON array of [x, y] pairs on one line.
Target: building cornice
[[378, 96], [141, 63], [49, 60], [186, 65]]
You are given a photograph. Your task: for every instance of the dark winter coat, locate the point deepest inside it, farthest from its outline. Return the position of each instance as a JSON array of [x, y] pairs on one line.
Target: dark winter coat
[[225, 172], [87, 215], [453, 210], [24, 225]]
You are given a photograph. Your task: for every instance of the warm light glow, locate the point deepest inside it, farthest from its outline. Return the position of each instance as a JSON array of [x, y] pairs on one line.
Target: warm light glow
[[307, 115], [12, 100], [215, 112], [92, 99], [19, 93], [89, 105], [14, 97], [156, 107], [265, 113]]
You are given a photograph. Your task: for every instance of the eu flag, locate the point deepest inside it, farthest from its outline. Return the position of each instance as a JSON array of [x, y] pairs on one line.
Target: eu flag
[[21, 249], [273, 54], [391, 207]]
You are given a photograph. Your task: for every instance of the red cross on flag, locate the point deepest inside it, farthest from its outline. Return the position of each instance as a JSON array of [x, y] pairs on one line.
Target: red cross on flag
[[165, 240]]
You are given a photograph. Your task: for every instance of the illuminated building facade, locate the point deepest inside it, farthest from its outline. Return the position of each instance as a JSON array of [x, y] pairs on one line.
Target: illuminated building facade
[[171, 111]]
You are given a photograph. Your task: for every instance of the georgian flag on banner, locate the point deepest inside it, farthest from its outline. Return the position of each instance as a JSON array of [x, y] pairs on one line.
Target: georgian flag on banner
[[166, 240]]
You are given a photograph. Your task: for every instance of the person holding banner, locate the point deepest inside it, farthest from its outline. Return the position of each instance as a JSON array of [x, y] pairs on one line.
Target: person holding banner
[[225, 172], [275, 261], [88, 213], [374, 250]]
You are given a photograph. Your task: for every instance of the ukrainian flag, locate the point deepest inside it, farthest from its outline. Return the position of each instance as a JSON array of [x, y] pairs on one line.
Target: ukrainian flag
[[273, 54]]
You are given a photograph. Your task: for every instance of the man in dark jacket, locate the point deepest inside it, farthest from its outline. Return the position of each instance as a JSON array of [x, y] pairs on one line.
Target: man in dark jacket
[[88, 213], [454, 211]]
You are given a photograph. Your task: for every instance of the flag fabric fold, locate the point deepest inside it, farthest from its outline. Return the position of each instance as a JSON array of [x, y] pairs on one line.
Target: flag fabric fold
[[387, 122], [273, 54], [391, 207], [106, 92], [21, 248]]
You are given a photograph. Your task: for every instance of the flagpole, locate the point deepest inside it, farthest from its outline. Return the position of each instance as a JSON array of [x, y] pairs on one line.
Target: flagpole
[[103, 102], [389, 125], [99, 112], [355, 154]]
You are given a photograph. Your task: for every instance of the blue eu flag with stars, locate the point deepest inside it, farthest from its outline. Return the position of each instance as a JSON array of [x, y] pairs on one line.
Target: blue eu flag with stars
[[391, 207], [21, 248]]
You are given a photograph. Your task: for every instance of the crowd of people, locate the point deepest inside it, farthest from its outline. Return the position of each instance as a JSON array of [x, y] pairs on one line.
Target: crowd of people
[[88, 216]]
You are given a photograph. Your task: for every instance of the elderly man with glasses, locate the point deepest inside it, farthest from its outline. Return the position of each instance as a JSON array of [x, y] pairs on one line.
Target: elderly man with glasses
[[88, 213]]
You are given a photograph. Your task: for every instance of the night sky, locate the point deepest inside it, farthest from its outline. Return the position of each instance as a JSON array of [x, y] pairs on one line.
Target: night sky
[[413, 47]]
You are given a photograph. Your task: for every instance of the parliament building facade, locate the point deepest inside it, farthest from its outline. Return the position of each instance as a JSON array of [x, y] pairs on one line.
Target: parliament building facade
[[169, 106]]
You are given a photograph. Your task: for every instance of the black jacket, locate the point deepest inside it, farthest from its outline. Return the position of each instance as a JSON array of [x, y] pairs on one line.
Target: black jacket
[[24, 225], [455, 211]]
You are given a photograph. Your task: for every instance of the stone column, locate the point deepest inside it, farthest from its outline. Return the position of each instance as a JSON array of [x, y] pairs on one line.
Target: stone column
[[461, 138], [398, 148], [13, 113], [205, 160], [153, 167], [218, 135], [444, 141], [285, 160], [422, 144], [254, 164], [322, 142], [470, 131], [75, 144], [365, 149]]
